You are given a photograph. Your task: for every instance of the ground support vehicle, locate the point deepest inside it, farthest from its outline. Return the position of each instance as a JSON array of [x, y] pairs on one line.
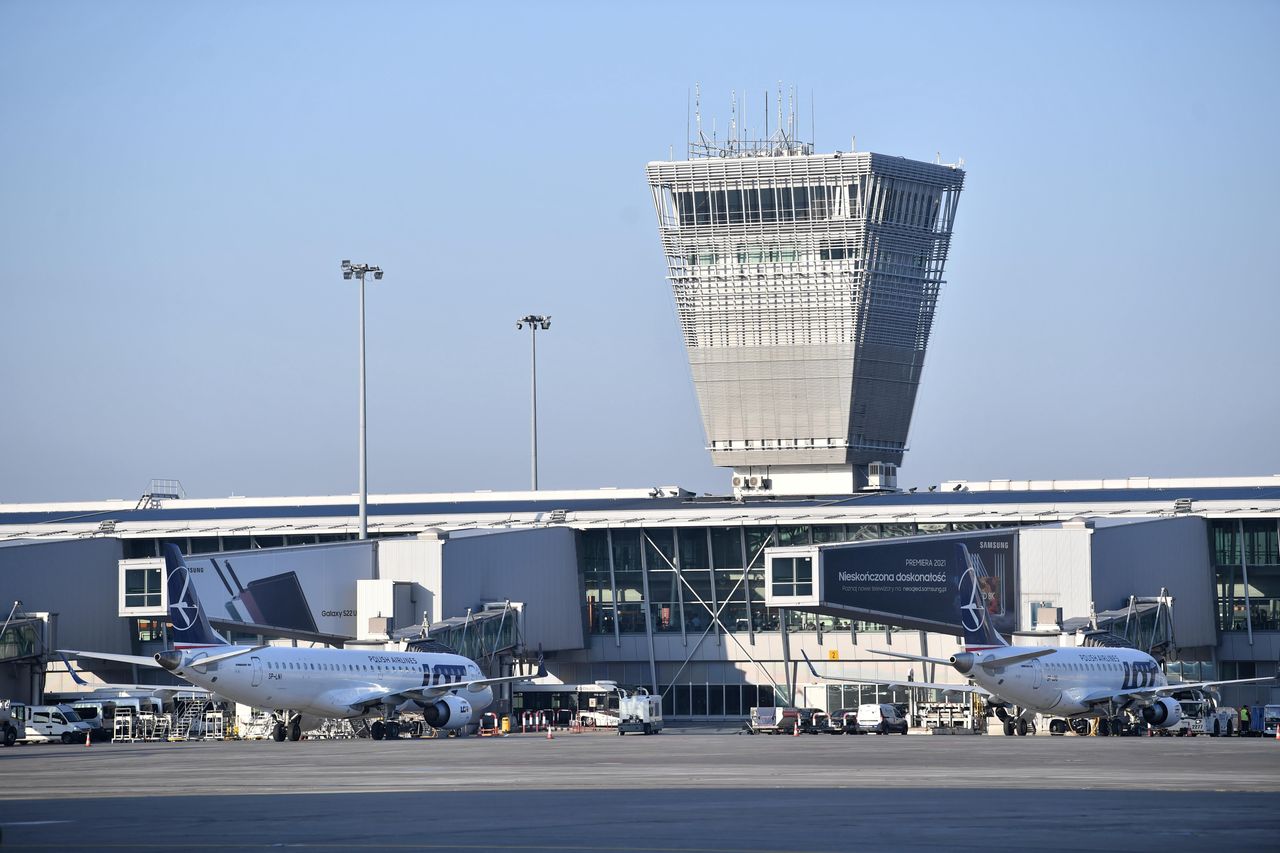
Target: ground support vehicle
[[882, 718], [844, 721], [639, 713], [1270, 717], [13, 721], [48, 723], [784, 721], [763, 721], [1222, 722]]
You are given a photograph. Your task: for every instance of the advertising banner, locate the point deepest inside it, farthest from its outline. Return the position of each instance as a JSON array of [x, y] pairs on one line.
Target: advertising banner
[[919, 580], [301, 589]]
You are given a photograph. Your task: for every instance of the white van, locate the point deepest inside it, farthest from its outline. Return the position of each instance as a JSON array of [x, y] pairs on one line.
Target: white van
[[881, 719], [47, 723]]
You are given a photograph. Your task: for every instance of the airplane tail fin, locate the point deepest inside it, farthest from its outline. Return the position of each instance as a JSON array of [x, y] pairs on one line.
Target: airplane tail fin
[[974, 596], [190, 624]]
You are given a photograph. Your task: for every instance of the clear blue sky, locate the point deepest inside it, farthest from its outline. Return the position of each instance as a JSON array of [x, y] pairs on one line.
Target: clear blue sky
[[180, 181]]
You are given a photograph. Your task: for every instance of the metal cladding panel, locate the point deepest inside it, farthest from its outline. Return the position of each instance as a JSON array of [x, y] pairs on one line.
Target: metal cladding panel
[[1055, 568], [760, 393], [76, 579], [1140, 558], [536, 567], [779, 261]]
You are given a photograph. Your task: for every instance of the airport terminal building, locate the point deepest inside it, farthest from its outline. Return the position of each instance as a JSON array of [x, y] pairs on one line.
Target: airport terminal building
[[805, 285]]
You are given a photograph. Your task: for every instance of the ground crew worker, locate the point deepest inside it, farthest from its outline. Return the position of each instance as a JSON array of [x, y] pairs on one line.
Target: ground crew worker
[[1244, 719]]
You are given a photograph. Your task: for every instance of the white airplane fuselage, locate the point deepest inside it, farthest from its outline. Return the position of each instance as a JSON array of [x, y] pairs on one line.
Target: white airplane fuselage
[[1058, 682], [327, 683]]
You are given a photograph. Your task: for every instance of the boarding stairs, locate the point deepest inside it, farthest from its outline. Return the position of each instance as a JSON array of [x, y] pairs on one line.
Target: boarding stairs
[[186, 720]]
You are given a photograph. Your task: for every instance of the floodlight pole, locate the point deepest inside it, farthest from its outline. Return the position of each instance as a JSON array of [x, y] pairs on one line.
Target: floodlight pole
[[12, 610], [534, 322], [349, 271]]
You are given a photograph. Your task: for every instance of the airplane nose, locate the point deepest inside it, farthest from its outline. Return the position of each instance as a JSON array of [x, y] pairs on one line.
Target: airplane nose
[[963, 662], [170, 660]]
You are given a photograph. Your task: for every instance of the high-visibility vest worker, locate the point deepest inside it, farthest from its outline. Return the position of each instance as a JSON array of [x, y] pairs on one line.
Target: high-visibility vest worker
[[1244, 716]]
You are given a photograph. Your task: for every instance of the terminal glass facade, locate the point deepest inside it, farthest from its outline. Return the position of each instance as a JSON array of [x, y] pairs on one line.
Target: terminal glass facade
[[691, 579], [1246, 556]]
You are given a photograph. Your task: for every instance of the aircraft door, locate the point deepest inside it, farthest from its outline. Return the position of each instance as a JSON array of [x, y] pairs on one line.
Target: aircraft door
[[1037, 674], [257, 671]]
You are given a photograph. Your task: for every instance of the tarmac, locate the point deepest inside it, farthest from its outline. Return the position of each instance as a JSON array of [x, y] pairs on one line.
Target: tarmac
[[689, 789]]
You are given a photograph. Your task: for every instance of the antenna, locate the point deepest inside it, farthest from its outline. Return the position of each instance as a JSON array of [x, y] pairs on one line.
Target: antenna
[[688, 133], [791, 112], [766, 113], [697, 107], [780, 130], [732, 137]]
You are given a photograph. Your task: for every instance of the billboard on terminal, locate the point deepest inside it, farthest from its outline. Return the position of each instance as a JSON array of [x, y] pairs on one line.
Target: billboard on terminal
[[918, 580], [301, 589]]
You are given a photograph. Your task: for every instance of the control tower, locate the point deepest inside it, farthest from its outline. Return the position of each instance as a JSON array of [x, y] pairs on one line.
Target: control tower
[[805, 285]]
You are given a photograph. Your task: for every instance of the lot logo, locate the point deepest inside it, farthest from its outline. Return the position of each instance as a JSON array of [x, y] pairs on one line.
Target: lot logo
[[973, 608], [183, 612], [1138, 674]]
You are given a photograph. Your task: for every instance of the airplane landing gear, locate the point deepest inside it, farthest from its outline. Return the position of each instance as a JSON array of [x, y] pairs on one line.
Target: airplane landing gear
[[377, 730], [1023, 728], [286, 726], [1009, 728]]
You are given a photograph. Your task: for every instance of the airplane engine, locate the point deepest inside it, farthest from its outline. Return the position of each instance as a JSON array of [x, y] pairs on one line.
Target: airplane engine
[[1163, 714], [451, 712]]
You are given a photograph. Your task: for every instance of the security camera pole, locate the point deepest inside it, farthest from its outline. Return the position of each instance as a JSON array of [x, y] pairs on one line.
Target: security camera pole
[[350, 271], [534, 322]]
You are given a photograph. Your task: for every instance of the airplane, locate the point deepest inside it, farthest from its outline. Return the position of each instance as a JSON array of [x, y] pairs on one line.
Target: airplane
[[303, 686], [1071, 684]]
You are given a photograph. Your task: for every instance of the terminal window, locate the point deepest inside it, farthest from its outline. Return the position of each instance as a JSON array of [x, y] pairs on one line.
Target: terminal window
[[792, 576]]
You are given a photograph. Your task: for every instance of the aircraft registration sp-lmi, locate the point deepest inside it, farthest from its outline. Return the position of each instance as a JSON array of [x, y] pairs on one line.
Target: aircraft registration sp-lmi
[[302, 686], [1074, 684]]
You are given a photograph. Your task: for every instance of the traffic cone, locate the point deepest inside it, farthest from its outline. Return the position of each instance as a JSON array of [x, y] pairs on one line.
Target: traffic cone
[[86, 738], [795, 731], [549, 735]]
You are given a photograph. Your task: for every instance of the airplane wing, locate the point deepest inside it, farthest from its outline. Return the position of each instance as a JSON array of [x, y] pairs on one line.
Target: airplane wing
[[99, 689], [905, 656], [365, 699], [137, 660], [898, 682], [1098, 697]]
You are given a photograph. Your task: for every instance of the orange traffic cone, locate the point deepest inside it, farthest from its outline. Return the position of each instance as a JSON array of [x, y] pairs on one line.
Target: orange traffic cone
[[549, 735], [86, 738], [795, 731]]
